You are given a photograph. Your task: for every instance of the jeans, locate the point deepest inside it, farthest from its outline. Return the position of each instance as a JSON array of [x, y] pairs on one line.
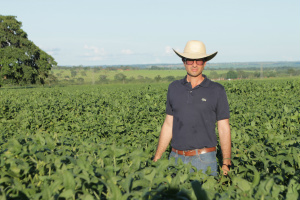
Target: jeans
[[200, 161]]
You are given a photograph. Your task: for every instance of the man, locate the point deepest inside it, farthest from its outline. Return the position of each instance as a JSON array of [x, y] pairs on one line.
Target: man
[[194, 104]]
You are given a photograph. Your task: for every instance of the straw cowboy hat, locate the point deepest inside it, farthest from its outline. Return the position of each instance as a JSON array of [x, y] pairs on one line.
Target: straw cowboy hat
[[195, 50]]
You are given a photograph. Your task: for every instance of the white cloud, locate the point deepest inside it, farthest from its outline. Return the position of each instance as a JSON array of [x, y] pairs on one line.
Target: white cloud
[[168, 50], [50, 51], [126, 51], [288, 58], [157, 60], [53, 52], [94, 53]]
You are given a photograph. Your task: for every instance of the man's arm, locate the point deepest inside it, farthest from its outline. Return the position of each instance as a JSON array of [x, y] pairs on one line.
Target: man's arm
[[225, 140], [165, 137]]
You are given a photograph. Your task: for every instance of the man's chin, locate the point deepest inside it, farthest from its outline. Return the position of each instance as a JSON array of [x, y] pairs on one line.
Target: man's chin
[[194, 75]]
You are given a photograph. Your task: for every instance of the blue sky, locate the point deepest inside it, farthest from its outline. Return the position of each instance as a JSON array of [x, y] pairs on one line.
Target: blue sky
[[96, 32]]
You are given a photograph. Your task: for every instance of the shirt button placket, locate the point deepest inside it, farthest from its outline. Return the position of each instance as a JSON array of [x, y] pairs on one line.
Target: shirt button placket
[[189, 100]]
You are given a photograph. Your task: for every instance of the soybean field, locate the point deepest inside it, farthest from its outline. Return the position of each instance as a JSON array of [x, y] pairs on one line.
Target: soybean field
[[97, 142]]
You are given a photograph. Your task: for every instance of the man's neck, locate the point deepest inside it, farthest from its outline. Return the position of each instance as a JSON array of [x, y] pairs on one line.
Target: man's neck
[[195, 80]]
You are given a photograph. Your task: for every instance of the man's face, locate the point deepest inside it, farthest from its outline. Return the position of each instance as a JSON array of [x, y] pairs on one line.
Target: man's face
[[194, 67]]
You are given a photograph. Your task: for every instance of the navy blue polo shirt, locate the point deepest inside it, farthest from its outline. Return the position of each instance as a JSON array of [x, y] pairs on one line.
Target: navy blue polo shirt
[[195, 112]]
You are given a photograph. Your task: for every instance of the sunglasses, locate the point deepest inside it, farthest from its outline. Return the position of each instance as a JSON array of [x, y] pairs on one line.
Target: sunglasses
[[190, 62]]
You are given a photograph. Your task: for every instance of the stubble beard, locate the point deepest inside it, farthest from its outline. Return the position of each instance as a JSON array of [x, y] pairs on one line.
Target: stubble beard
[[194, 75]]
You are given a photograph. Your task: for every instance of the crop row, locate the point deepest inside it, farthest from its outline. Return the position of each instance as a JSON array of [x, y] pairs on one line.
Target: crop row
[[97, 142]]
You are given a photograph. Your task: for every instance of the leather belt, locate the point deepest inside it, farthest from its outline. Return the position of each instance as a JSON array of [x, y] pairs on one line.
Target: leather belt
[[194, 151]]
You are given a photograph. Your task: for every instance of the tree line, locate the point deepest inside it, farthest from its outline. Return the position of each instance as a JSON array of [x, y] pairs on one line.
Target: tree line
[[78, 76]]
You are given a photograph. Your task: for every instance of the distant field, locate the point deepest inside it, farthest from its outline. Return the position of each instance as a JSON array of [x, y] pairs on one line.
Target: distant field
[[90, 75]]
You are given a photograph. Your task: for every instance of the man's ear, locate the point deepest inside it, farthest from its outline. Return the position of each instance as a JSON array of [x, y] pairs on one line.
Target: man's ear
[[204, 63]]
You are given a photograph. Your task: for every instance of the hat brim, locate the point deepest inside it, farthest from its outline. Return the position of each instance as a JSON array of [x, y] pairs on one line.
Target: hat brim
[[207, 57]]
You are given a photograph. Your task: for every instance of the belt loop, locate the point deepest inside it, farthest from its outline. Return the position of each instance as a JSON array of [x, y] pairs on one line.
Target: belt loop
[[197, 152]]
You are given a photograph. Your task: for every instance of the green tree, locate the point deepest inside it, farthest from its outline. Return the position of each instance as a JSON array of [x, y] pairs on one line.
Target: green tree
[[242, 74], [213, 75], [157, 78], [140, 77], [256, 74], [170, 78], [83, 73], [231, 74], [96, 69], [271, 74], [21, 61], [103, 79], [80, 80], [131, 79], [120, 77], [50, 79], [291, 71], [73, 73]]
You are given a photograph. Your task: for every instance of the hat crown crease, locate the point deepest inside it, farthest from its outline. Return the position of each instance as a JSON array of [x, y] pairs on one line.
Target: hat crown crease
[[195, 47]]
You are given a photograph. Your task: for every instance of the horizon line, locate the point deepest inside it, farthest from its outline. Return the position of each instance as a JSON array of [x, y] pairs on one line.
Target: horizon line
[[153, 64]]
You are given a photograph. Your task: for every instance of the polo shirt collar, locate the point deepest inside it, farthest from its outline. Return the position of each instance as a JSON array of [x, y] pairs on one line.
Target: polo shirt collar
[[204, 83]]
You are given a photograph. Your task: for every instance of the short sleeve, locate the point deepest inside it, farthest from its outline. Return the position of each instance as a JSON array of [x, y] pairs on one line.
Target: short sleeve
[[169, 110], [222, 106]]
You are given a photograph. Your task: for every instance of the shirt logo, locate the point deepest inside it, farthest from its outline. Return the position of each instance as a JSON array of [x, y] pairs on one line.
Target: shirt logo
[[203, 99]]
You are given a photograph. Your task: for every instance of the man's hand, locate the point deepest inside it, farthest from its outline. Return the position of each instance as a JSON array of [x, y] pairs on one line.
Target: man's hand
[[225, 169], [155, 159]]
